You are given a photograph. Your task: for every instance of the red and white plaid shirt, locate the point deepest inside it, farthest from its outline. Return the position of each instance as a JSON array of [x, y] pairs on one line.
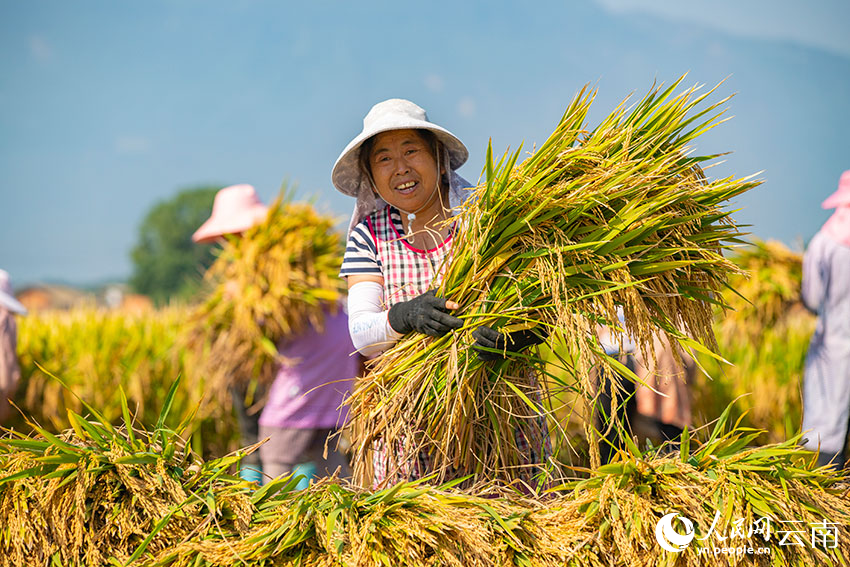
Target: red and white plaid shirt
[[377, 246]]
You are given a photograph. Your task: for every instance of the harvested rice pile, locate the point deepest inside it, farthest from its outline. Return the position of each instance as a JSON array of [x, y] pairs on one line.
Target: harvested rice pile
[[618, 215], [96, 493], [99, 495]]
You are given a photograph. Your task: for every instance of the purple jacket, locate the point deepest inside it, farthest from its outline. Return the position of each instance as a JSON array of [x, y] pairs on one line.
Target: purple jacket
[[307, 393]]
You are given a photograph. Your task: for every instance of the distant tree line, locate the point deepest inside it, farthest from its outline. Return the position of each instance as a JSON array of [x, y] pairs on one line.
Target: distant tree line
[[167, 265]]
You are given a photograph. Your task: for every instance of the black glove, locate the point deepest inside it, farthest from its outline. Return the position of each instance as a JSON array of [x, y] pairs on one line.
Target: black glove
[[426, 313], [485, 337]]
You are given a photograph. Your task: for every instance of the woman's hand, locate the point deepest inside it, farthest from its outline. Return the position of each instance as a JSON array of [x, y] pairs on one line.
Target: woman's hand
[[426, 314], [487, 340]]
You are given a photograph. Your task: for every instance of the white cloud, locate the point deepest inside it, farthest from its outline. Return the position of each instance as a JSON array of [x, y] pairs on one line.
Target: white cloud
[[39, 48], [131, 145], [434, 83], [466, 107], [821, 24]]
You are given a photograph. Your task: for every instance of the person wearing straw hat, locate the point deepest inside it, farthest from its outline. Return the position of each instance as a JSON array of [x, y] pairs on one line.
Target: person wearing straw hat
[[826, 292], [401, 169], [10, 370], [301, 409]]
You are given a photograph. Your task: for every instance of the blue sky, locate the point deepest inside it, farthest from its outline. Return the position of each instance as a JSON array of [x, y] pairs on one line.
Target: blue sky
[[107, 107]]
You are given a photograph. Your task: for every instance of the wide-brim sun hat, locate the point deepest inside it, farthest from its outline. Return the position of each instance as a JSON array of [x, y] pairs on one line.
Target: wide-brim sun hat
[[7, 299], [235, 209], [841, 197], [392, 114]]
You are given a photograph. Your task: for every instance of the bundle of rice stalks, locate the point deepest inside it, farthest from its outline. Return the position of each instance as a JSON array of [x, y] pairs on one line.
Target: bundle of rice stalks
[[333, 523], [100, 495], [765, 293], [765, 338], [619, 215], [269, 284]]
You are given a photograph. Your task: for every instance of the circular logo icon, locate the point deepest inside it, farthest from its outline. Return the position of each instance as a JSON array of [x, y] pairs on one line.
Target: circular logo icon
[[669, 538]]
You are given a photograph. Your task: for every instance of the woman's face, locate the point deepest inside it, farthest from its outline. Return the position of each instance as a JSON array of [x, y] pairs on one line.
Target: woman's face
[[404, 170]]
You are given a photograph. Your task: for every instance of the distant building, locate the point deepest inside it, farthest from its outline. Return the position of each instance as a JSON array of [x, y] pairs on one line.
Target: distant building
[[113, 296], [41, 297]]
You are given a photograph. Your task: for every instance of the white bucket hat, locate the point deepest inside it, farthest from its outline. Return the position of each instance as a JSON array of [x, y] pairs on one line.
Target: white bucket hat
[[7, 299], [393, 114]]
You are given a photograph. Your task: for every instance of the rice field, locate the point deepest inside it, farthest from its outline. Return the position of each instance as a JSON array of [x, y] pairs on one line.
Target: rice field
[[124, 453], [94, 354]]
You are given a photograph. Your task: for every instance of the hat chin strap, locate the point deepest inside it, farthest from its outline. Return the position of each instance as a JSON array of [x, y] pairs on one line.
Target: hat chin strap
[[412, 216]]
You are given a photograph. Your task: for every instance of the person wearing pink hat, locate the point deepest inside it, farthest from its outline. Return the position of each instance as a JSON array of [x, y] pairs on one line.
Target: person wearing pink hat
[[10, 370], [301, 409], [826, 292], [235, 209]]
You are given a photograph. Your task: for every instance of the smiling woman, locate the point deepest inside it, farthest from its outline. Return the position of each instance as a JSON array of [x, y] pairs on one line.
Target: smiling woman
[[402, 168]]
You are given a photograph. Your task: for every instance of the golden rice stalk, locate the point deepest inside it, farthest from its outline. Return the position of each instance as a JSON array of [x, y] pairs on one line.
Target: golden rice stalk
[[619, 215], [265, 286]]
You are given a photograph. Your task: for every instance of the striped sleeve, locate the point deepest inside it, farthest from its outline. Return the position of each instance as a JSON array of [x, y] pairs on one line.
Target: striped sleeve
[[361, 253]]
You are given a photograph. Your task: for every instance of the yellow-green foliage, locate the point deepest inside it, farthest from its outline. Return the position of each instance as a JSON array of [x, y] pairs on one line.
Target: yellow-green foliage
[[94, 352], [100, 495], [767, 371], [768, 289]]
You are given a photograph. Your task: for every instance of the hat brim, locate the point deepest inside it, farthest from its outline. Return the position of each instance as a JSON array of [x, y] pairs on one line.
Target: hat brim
[[837, 199], [346, 175], [11, 304], [216, 227]]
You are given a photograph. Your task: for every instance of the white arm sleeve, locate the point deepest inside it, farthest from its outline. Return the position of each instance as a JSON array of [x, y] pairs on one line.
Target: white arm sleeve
[[367, 323]]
